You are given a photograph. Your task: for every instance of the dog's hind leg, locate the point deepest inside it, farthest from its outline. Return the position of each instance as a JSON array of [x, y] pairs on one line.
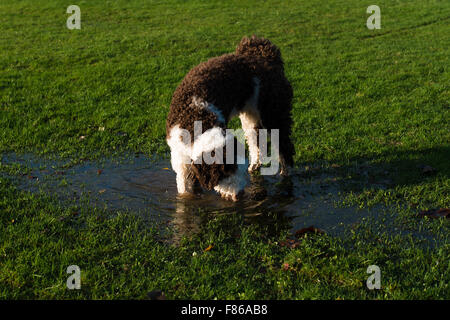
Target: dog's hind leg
[[276, 106], [250, 126], [251, 123]]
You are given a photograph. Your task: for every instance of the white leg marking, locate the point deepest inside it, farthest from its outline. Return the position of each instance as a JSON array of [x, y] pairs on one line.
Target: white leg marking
[[180, 159], [251, 122]]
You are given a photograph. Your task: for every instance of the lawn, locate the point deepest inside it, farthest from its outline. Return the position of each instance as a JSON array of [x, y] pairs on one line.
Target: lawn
[[372, 98]]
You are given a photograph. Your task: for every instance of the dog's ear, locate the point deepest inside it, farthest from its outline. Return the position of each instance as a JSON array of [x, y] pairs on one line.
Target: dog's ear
[[209, 175]]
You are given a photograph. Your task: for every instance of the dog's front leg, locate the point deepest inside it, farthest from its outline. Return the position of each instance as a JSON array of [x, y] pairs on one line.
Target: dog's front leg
[[185, 181]]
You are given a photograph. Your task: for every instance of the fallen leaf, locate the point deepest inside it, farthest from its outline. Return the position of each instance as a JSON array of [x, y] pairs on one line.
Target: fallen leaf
[[435, 213], [156, 295], [426, 169], [99, 171], [102, 190], [209, 248], [311, 229]]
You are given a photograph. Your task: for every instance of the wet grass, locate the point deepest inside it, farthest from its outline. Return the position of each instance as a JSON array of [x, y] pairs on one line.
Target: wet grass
[[372, 106], [122, 256]]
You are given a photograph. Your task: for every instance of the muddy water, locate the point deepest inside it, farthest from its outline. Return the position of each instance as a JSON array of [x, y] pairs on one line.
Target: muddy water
[[148, 186]]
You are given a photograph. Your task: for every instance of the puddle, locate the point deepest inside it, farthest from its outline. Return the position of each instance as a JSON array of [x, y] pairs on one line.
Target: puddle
[[148, 187]]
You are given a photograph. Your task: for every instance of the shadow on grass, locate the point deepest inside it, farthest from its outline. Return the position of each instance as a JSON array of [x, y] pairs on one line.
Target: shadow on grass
[[386, 170]]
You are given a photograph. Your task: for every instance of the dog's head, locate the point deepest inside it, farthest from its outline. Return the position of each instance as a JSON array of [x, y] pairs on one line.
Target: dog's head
[[218, 162]]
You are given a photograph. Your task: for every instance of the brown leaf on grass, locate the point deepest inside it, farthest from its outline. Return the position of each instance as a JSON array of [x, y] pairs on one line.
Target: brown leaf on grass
[[435, 213], [99, 171], [290, 243], [156, 295], [311, 229], [208, 248]]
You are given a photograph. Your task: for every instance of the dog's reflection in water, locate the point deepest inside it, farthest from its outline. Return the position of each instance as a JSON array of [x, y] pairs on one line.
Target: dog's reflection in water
[[186, 221], [258, 207]]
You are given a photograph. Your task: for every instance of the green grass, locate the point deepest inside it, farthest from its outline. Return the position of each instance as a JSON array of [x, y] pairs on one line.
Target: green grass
[[372, 98], [121, 256]]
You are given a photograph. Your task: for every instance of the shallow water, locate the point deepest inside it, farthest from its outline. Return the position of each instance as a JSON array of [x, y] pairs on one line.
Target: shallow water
[[148, 186]]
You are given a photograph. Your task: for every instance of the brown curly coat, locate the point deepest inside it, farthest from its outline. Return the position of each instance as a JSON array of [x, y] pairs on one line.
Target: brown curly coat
[[227, 82]]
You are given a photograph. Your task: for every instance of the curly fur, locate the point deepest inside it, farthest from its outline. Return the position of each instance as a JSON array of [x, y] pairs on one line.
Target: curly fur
[[221, 87]]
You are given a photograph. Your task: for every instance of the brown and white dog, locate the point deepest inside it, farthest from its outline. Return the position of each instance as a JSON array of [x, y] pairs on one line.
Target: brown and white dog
[[249, 83]]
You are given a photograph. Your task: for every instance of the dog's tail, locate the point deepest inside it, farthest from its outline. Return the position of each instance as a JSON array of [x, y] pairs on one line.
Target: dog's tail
[[255, 46]]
